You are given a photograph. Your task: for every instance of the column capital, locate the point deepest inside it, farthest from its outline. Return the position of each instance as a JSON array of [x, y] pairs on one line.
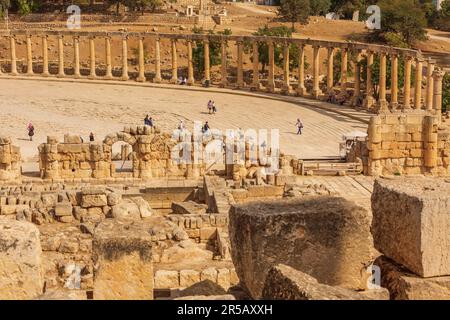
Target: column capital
[[12, 36], [60, 36], [124, 36], [438, 74], [91, 37]]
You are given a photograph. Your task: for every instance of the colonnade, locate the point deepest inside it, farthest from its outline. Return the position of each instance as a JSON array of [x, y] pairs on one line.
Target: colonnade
[[358, 93]]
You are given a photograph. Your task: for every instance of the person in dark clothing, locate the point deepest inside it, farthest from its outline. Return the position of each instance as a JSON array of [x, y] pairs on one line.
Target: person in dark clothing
[[150, 122], [30, 129], [91, 137], [205, 127], [299, 125], [146, 120]]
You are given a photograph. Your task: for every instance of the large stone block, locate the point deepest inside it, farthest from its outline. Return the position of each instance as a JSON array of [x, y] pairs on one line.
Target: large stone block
[[21, 275], [325, 237], [122, 252], [404, 285], [93, 200], [286, 283], [411, 223]]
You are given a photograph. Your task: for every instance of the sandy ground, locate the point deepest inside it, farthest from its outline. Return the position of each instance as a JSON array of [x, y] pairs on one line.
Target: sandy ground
[[56, 108]]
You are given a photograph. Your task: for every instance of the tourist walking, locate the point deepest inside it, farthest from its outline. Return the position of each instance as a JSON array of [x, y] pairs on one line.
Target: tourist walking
[[205, 127], [146, 120], [150, 122], [181, 125], [299, 126], [213, 106], [30, 129], [210, 104], [91, 137]]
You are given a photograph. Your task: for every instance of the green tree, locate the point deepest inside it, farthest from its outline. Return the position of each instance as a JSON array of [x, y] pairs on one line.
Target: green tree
[[442, 20], [4, 5], [215, 51], [347, 7], [403, 18], [295, 11], [319, 7], [446, 93]]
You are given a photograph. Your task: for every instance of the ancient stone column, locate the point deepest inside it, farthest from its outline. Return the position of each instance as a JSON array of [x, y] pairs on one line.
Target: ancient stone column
[[92, 74], [316, 89], [108, 58], [382, 84], [12, 42], [157, 78], [430, 85], [190, 79], [286, 85], [344, 69], [124, 59], [418, 84], [223, 67], [141, 77], [76, 57], [407, 84], [357, 76], [207, 60], [45, 72], [330, 69], [301, 89], [61, 73], [240, 64], [255, 82], [29, 56], [174, 78], [369, 101], [438, 75], [394, 81], [271, 79]]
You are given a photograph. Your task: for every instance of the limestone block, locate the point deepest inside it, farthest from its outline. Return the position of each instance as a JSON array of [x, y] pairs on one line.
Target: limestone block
[[63, 209], [286, 283], [165, 279], [189, 207], [209, 274], [189, 278], [93, 200], [207, 233], [404, 285], [145, 210], [326, 237], [122, 247], [21, 275], [411, 223], [114, 198], [223, 278]]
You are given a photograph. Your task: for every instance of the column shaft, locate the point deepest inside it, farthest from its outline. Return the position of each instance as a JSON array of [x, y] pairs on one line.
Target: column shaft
[[301, 90], [240, 64], [157, 78], [382, 83], [407, 84], [430, 85], [45, 72], [207, 60], [13, 55], [316, 89], [255, 82], [60, 57], [190, 80], [286, 75], [223, 67], [344, 68], [271, 79], [418, 84], [330, 69], [124, 59], [76, 57], [369, 101], [357, 93], [394, 81], [174, 78], [92, 73], [29, 56], [438, 75], [141, 77], [108, 58]]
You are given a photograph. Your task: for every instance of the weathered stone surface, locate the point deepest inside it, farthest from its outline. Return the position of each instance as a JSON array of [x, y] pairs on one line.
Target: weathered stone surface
[[189, 207], [189, 277], [166, 279], [326, 237], [144, 208], [404, 285], [286, 283], [63, 209], [114, 198], [202, 297], [411, 223], [21, 275], [93, 200], [63, 294], [122, 251]]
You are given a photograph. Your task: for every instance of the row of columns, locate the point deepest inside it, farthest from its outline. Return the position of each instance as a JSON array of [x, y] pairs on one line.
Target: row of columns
[[434, 78]]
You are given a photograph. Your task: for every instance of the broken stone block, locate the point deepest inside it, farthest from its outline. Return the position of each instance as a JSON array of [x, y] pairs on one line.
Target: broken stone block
[[209, 274], [286, 283], [21, 275], [189, 207], [144, 208], [113, 198], [404, 285], [411, 223], [93, 200], [325, 237], [122, 247], [188, 278], [166, 279], [223, 278], [63, 209]]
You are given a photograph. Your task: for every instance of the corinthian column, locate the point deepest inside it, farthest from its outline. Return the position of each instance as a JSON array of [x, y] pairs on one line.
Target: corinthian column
[[125, 76], [301, 90], [108, 74], [369, 101], [76, 57], [344, 69], [438, 75], [316, 89], [382, 97], [29, 56], [223, 67], [255, 52], [92, 74], [141, 77], [330, 69], [394, 81], [286, 85], [207, 60], [240, 64], [157, 78], [12, 41], [418, 84], [407, 84], [271, 79], [430, 85], [61, 73], [174, 62], [45, 72], [357, 92], [190, 79]]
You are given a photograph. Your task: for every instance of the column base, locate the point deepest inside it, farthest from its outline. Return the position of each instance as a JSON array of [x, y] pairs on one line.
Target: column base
[[157, 80], [316, 93], [45, 74], [223, 84], [124, 78], [77, 76], [108, 77], [141, 79], [383, 106], [240, 85], [190, 82], [369, 102], [271, 88], [30, 73], [92, 77], [14, 73], [59, 75], [173, 81], [394, 105], [256, 87], [287, 90], [301, 91]]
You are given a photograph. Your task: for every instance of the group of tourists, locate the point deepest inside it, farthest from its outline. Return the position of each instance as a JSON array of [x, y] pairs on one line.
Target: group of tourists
[[31, 131], [212, 109]]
